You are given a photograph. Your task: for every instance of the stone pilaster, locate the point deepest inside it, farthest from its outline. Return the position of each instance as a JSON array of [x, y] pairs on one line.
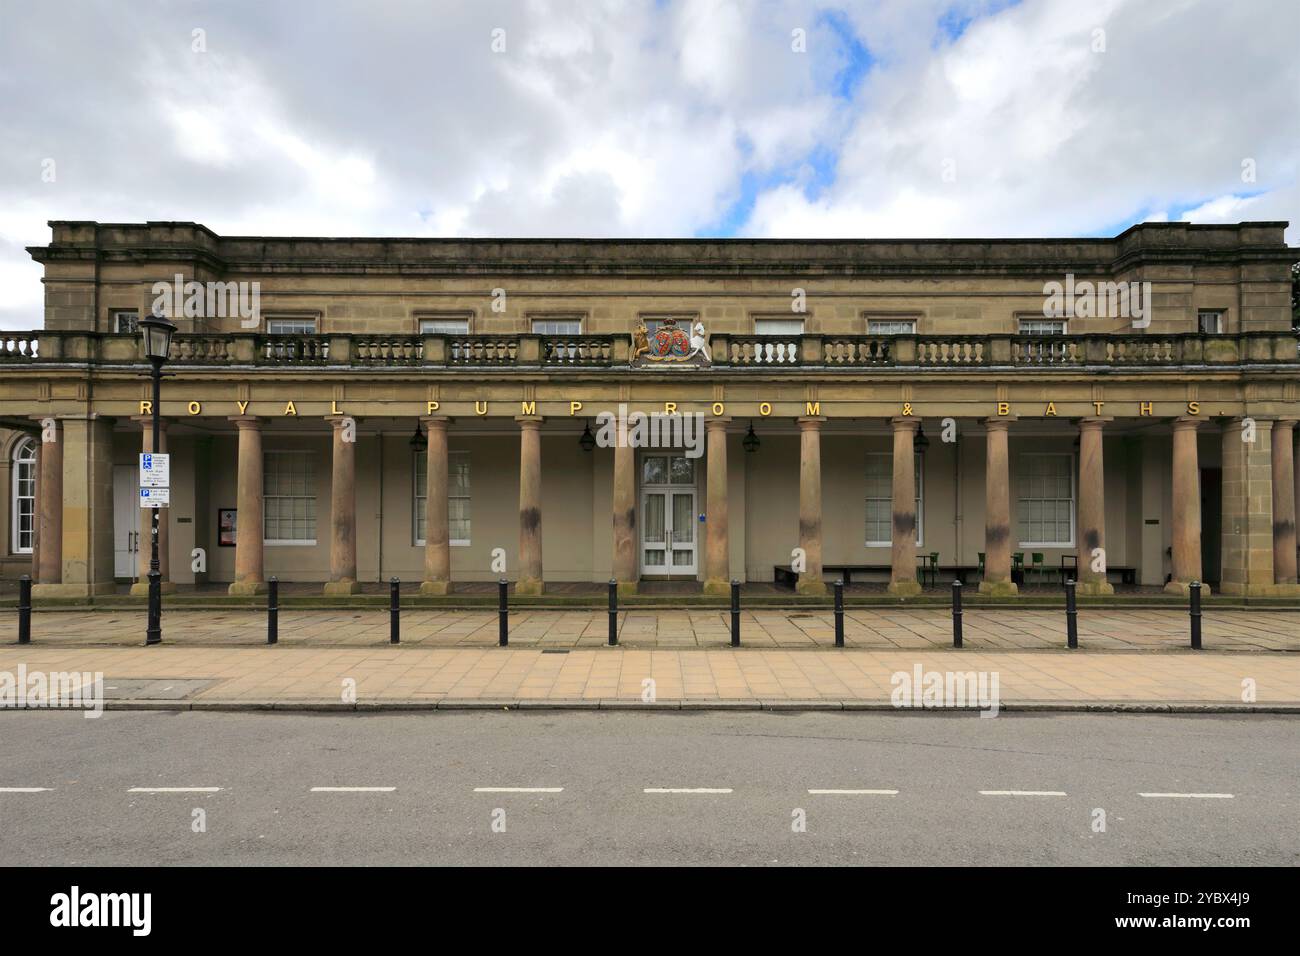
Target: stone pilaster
[[437, 526], [343, 508], [1247, 508], [1284, 515], [530, 507], [810, 504], [997, 510], [1186, 502], [902, 567], [144, 553], [86, 498], [49, 506], [624, 507], [1091, 531], [717, 551], [250, 577]]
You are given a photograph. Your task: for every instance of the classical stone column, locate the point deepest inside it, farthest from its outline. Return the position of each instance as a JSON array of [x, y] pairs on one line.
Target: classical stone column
[[625, 517], [49, 506], [997, 511], [143, 553], [530, 507], [1247, 547], [902, 572], [810, 504], [84, 494], [437, 526], [249, 573], [343, 508], [1092, 509], [717, 552], [1284, 515], [1186, 509]]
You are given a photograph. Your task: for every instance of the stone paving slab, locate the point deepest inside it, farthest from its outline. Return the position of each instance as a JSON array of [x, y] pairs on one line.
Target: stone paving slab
[[770, 678], [919, 628]]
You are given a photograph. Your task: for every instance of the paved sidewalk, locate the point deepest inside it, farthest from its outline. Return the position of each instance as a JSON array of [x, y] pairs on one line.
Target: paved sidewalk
[[294, 677], [921, 628]]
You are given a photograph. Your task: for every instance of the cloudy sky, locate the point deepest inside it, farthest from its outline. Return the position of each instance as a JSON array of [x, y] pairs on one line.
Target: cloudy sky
[[621, 118]]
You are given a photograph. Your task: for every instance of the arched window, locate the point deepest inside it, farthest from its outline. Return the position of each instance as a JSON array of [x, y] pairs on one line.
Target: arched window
[[24, 496]]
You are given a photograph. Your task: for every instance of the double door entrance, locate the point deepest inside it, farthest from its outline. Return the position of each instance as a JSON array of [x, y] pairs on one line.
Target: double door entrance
[[669, 522]]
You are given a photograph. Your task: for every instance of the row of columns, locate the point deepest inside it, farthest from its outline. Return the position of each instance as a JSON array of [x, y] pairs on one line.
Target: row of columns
[[1251, 524]]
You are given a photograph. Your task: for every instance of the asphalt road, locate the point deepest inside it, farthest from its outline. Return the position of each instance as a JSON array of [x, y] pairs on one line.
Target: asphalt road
[[1069, 767]]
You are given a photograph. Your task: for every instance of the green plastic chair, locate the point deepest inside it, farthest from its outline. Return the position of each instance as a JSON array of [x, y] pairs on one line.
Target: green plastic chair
[[1036, 559], [981, 557]]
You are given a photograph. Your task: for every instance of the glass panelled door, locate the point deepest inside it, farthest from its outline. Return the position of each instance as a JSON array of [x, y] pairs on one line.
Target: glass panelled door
[[668, 536]]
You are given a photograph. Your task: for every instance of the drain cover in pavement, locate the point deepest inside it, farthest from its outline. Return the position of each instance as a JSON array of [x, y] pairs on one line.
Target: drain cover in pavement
[[153, 688]]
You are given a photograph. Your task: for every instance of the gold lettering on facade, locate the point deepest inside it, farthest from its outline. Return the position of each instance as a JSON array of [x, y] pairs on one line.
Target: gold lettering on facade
[[719, 408], [291, 409], [1004, 408], [1051, 408], [334, 407], [575, 407], [1193, 408], [907, 408], [670, 408], [527, 408], [1145, 408], [480, 408], [812, 408], [146, 408], [433, 407], [195, 408], [765, 409], [243, 407], [1097, 405]]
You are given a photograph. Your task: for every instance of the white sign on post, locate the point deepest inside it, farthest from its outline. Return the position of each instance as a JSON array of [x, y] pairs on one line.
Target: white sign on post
[[155, 497], [155, 470]]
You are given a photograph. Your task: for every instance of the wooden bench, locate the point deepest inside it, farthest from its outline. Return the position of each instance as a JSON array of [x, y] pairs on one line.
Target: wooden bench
[[785, 575]]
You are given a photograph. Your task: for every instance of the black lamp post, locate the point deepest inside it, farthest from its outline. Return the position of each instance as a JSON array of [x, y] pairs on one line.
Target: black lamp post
[[157, 334]]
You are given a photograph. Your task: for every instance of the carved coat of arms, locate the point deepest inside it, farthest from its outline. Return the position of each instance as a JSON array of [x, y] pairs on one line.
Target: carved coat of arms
[[670, 344]]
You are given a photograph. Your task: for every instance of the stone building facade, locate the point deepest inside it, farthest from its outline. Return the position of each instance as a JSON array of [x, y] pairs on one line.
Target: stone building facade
[[349, 410]]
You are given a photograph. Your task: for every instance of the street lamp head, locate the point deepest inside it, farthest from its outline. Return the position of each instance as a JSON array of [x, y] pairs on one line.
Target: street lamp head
[[418, 441], [157, 332], [751, 441], [587, 439]]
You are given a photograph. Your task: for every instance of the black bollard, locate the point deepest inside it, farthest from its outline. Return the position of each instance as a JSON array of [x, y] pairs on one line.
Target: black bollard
[[956, 614], [394, 611], [25, 609], [839, 613], [272, 610], [613, 612], [735, 613], [1194, 595], [1071, 617], [503, 615]]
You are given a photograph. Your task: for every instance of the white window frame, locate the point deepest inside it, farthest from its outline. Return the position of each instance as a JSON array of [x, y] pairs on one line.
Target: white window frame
[[1218, 314], [1074, 498], [19, 463], [432, 325], [419, 491], [310, 458], [768, 325], [281, 325], [919, 472], [116, 315], [891, 326], [1028, 326], [551, 325]]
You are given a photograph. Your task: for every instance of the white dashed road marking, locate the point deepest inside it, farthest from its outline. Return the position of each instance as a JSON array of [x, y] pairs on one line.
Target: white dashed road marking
[[174, 790], [687, 790], [855, 793], [353, 789], [1190, 796], [1022, 793], [518, 789], [25, 789]]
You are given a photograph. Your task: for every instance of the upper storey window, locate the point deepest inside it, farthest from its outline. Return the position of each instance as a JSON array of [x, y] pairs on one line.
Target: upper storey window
[[125, 321], [290, 326], [891, 326], [444, 326], [557, 326], [1042, 326], [1210, 321], [778, 326]]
